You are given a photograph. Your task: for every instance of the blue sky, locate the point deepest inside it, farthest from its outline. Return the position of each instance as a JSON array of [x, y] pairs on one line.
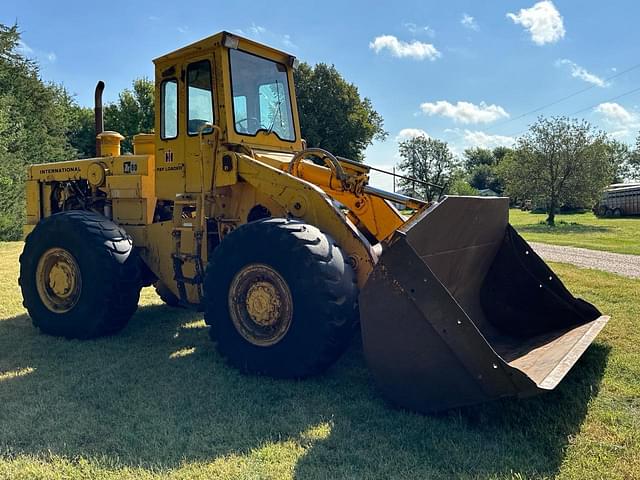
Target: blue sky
[[461, 70]]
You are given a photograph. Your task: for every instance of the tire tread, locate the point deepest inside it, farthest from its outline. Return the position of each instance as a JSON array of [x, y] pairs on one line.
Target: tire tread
[[114, 247]]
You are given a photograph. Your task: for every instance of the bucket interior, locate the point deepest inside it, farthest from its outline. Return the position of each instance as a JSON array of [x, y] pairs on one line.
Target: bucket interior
[[514, 299]]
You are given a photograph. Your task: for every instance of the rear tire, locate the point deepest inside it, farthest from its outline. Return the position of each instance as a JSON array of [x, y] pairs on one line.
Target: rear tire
[[280, 298], [617, 212], [79, 275]]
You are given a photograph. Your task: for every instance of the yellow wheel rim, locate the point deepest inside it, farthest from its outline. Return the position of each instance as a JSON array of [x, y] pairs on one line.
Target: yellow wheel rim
[[58, 280], [260, 304]]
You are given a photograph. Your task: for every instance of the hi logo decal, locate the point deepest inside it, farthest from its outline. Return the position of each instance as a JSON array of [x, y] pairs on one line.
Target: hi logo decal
[[130, 167]]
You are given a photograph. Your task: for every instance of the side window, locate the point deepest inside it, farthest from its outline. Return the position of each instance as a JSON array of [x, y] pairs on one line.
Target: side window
[[241, 115], [169, 111], [200, 97]]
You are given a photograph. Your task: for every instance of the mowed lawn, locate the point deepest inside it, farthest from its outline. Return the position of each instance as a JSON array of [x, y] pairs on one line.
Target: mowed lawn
[[156, 401], [620, 235]]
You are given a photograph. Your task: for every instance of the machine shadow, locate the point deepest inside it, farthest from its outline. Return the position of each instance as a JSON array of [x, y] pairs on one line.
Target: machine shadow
[[159, 396], [493, 440]]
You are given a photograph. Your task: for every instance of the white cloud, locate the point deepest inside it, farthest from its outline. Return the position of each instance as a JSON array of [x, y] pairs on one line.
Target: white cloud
[[409, 133], [484, 140], [582, 73], [469, 22], [624, 124], [543, 21], [461, 139], [616, 113], [183, 29], [418, 30], [465, 112], [23, 48], [252, 31], [286, 41], [622, 135], [153, 18], [263, 34], [257, 29], [398, 48]]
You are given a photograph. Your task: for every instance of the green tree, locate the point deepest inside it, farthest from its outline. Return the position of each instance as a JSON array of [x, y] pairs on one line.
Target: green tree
[[481, 165], [486, 176], [82, 131], [474, 157], [35, 118], [133, 113], [428, 160], [458, 184], [500, 152], [619, 156], [634, 161], [559, 161], [333, 116]]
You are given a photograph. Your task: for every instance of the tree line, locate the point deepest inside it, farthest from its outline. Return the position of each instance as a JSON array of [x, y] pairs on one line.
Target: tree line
[[559, 162], [41, 122]]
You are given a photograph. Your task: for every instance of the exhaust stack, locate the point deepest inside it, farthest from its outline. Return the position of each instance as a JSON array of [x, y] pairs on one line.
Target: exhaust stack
[[99, 117]]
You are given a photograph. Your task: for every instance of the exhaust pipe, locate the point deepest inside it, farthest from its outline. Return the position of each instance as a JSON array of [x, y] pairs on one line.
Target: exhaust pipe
[[99, 118]]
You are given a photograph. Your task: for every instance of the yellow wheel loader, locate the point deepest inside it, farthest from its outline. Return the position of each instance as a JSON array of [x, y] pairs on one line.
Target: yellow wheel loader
[[288, 249]]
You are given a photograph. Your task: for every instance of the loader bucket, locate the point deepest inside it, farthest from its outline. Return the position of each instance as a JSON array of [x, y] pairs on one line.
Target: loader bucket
[[460, 310]]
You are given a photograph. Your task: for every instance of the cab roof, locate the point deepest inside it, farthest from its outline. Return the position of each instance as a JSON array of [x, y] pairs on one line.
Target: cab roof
[[213, 41]]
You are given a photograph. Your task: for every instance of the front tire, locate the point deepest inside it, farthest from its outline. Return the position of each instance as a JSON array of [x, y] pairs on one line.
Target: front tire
[[79, 275], [280, 298]]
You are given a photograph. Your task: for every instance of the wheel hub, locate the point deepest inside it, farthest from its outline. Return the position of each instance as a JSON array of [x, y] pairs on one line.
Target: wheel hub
[[58, 280], [263, 303], [61, 279], [260, 304]]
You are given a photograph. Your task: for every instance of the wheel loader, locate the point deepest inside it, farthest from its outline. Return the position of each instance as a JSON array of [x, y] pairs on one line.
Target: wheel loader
[[289, 250]]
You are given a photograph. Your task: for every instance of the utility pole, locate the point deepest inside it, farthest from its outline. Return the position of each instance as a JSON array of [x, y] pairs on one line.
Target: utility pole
[[394, 179]]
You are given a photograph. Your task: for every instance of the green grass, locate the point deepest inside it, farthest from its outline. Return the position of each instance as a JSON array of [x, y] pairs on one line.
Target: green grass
[[621, 235], [156, 401]]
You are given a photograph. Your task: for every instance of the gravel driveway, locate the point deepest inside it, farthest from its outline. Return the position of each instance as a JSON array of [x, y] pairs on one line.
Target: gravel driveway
[[626, 265]]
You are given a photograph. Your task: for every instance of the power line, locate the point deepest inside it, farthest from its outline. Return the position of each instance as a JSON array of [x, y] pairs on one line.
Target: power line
[[629, 92], [608, 100], [560, 100]]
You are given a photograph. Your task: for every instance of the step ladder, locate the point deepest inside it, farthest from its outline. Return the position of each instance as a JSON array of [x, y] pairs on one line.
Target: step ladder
[[187, 221]]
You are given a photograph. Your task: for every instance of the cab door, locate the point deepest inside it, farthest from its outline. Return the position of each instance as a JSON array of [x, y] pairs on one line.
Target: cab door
[[199, 112], [170, 158]]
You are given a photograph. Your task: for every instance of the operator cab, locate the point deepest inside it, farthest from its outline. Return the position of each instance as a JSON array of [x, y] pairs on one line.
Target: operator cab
[[222, 89]]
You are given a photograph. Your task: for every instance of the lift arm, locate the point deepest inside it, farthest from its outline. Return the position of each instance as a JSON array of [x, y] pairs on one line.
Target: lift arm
[[347, 183]]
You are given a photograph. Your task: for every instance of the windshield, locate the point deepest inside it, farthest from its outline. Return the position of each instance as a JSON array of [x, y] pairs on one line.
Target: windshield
[[261, 101]]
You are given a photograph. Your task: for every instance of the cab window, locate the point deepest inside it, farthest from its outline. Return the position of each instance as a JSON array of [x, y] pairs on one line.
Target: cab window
[[261, 100], [199, 97], [169, 109], [240, 106]]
